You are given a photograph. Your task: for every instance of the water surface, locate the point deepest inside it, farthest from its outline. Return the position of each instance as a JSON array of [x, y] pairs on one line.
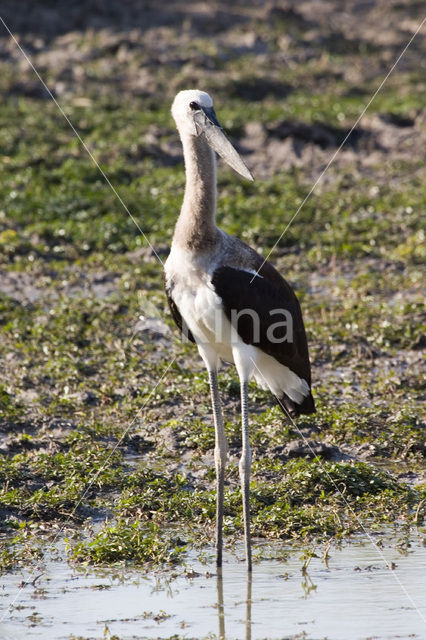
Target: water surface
[[357, 596]]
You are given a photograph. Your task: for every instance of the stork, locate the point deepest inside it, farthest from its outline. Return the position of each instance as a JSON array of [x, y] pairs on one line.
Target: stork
[[227, 299]]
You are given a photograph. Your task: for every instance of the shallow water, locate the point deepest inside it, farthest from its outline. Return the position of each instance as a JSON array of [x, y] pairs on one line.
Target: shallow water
[[356, 597]]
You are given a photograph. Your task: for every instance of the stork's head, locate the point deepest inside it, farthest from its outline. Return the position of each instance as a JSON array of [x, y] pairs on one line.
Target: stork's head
[[194, 115]]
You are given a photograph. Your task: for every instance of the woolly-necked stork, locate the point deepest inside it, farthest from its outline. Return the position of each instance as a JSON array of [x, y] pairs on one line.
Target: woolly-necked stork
[[222, 294]]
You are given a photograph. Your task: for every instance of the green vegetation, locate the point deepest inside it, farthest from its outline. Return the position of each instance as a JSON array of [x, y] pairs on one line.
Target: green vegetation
[[105, 425], [312, 499], [128, 540]]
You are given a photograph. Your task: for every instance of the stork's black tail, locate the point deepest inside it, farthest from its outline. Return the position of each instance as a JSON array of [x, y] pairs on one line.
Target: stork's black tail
[[293, 409]]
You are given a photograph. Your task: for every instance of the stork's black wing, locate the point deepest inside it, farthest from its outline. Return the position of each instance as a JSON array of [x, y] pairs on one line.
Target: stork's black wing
[[266, 313], [177, 317]]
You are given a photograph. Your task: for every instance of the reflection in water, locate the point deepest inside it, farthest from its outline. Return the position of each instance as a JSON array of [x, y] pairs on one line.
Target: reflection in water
[[248, 607], [356, 578], [221, 607], [307, 584]]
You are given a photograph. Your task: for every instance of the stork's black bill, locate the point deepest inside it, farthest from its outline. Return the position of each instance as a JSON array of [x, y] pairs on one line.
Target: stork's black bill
[[208, 126]]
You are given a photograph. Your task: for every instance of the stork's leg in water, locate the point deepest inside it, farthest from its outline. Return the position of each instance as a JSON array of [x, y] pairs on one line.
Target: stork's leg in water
[[220, 456], [245, 467]]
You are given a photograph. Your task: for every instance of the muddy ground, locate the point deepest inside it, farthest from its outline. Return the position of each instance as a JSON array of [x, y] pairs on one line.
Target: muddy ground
[[104, 413]]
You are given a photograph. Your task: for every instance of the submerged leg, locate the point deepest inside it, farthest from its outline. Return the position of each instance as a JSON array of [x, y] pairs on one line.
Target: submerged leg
[[245, 467], [220, 456]]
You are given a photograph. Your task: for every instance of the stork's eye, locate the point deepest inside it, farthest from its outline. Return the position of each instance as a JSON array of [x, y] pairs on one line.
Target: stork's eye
[[194, 106]]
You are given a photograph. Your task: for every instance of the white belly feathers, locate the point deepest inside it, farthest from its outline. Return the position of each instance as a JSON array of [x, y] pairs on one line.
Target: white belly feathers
[[190, 286], [199, 305]]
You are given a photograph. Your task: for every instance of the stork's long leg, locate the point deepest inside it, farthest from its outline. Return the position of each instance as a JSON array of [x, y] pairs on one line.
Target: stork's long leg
[[245, 467], [220, 456]]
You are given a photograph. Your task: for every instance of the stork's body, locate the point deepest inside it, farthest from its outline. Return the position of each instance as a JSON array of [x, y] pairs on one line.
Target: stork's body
[[224, 297]]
